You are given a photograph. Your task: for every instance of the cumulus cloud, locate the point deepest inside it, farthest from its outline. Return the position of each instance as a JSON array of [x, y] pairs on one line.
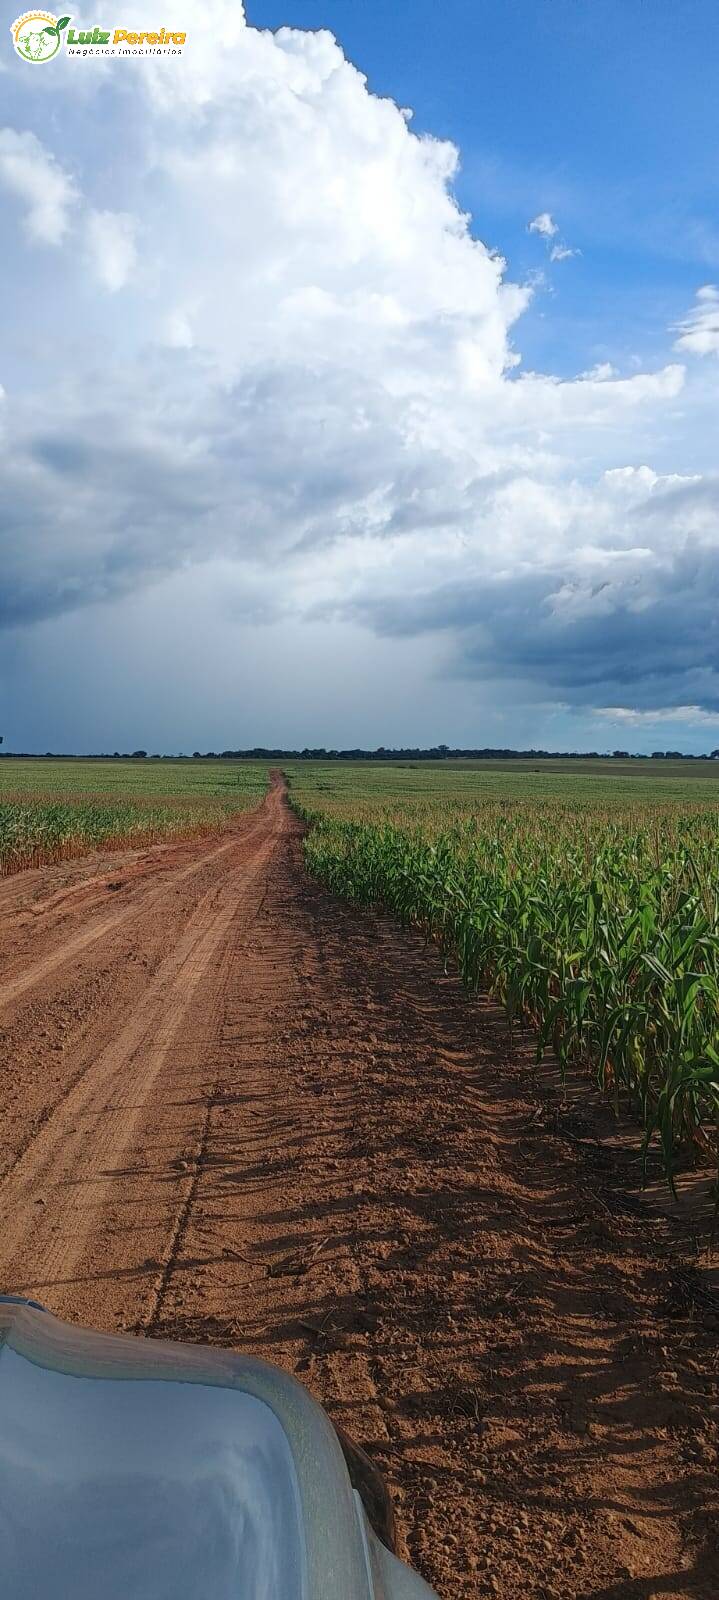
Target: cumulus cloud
[[46, 193], [611, 584], [111, 246], [699, 330], [544, 224], [309, 372], [55, 210]]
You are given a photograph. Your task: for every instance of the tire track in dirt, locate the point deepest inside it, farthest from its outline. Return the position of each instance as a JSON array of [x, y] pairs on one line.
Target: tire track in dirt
[[152, 1311], [53, 1035], [55, 1197], [60, 1149], [69, 949]]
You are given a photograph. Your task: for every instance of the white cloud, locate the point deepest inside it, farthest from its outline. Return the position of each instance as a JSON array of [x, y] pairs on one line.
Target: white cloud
[[315, 377], [601, 373], [178, 329], [692, 716], [548, 230], [544, 224], [55, 208], [111, 246], [699, 330], [48, 193]]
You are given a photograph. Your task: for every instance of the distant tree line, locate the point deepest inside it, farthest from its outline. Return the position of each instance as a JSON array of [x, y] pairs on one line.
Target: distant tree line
[[439, 752], [443, 752]]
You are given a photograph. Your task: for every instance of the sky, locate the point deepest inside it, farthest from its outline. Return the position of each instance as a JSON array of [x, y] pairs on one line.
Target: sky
[[359, 372]]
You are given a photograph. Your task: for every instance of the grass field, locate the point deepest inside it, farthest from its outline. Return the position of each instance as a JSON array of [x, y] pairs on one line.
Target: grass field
[[585, 896], [50, 809]]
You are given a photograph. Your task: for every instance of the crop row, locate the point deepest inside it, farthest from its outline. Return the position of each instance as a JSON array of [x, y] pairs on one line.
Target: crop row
[[605, 938], [34, 833], [37, 827]]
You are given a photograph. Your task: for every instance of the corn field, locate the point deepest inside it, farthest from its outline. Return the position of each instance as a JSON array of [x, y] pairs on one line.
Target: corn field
[[32, 834], [50, 810], [599, 930]]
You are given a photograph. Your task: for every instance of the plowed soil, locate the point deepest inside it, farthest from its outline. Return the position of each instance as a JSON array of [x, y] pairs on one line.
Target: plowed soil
[[234, 1110]]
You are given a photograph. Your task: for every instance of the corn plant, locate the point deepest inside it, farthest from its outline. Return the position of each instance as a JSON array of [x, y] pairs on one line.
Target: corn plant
[[599, 929]]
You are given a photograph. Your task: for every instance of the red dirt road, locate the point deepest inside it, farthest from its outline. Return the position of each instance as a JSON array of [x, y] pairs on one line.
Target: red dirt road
[[234, 1110]]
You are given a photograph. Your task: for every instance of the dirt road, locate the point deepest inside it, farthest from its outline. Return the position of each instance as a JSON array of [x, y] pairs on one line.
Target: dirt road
[[233, 1110]]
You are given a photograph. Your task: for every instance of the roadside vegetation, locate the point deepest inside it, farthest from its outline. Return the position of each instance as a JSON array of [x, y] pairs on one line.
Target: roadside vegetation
[[52, 809], [586, 901]]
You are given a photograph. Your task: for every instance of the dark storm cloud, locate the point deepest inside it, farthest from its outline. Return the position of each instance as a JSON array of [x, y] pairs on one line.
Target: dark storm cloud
[[272, 467], [88, 516], [645, 639], [266, 472]]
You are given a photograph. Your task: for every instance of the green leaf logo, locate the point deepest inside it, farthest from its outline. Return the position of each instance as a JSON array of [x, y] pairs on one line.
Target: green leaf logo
[[55, 28]]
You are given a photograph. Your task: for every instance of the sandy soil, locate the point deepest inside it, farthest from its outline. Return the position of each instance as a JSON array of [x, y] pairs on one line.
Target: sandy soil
[[233, 1110]]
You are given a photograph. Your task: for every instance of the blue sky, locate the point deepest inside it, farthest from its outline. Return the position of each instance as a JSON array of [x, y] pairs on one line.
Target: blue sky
[[601, 111], [294, 451]]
